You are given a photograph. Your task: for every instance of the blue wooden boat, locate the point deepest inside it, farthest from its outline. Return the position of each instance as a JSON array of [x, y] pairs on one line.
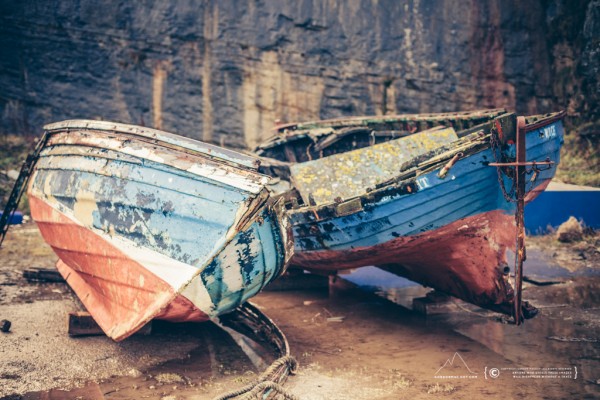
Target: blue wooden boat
[[148, 224], [444, 219]]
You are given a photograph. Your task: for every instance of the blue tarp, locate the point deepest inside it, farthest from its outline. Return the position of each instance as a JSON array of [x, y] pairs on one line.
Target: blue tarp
[[16, 218], [553, 207]]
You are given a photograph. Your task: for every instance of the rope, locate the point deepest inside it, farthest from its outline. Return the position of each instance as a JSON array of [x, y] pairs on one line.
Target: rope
[[267, 378], [263, 386]]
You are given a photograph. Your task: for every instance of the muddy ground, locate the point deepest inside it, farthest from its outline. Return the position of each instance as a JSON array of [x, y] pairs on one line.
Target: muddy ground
[[378, 350]]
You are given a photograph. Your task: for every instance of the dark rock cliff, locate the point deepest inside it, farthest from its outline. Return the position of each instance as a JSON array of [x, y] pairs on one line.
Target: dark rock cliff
[[225, 71]]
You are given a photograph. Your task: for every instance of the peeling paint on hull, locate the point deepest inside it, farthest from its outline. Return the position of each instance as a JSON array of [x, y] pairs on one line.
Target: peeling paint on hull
[[464, 258], [148, 229]]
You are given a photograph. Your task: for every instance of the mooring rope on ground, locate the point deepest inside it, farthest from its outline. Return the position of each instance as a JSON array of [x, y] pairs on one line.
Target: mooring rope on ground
[[267, 380], [250, 320], [256, 393]]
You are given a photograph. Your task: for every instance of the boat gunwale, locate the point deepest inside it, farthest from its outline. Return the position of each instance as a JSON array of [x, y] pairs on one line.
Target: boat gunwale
[[86, 138], [544, 120], [240, 160], [390, 118], [284, 134]]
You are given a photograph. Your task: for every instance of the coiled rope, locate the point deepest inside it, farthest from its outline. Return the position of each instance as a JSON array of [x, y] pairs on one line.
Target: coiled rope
[[267, 380], [249, 319]]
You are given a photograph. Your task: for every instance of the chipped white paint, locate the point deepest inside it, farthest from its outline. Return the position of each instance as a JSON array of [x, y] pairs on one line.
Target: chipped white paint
[[196, 292], [84, 207], [228, 177], [232, 276], [154, 134], [249, 181], [173, 272], [144, 153], [183, 278]]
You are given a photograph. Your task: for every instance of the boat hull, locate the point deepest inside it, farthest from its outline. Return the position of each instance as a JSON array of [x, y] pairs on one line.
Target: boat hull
[[466, 258], [451, 233], [144, 231]]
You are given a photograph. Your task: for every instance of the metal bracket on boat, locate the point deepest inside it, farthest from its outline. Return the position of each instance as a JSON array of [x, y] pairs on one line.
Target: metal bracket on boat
[[520, 256], [533, 164], [444, 171], [520, 165]]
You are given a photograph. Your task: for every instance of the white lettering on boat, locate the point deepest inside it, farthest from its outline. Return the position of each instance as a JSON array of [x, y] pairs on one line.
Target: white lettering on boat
[[549, 132], [423, 183]]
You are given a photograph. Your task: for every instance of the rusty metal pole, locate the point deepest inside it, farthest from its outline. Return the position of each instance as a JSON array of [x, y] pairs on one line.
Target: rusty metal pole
[[520, 170]]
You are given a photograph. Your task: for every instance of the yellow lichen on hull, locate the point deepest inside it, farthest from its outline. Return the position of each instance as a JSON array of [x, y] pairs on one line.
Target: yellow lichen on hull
[[349, 174]]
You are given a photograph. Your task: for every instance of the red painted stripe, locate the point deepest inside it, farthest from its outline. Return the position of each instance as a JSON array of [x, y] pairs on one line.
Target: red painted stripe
[[182, 309], [118, 291]]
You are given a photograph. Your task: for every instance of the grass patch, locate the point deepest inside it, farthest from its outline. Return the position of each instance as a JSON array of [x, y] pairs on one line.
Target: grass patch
[[580, 160], [14, 150]]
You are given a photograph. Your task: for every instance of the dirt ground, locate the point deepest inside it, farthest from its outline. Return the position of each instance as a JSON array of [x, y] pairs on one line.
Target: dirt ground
[[377, 350]]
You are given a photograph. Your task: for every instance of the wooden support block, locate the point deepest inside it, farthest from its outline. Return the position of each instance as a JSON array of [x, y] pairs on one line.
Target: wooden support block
[[81, 323], [42, 275], [434, 304]]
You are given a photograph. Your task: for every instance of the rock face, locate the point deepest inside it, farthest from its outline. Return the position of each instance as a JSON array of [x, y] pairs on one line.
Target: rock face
[[225, 71]]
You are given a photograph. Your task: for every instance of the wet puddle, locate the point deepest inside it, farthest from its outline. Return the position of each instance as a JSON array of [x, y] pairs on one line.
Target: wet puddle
[[216, 365], [391, 287], [565, 335]]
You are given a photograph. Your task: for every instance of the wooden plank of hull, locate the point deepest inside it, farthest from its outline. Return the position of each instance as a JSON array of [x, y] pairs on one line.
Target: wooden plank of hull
[[157, 136], [367, 120]]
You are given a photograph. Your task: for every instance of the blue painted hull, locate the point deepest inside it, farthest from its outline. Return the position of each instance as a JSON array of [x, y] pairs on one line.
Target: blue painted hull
[[451, 233], [470, 188]]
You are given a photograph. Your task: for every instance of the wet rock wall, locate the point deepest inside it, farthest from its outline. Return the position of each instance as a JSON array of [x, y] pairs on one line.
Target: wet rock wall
[[225, 71]]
